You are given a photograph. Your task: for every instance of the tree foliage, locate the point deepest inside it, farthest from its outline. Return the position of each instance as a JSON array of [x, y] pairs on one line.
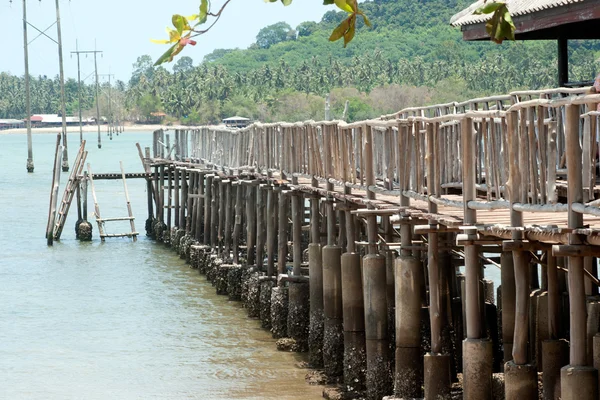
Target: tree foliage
[[410, 57], [499, 27]]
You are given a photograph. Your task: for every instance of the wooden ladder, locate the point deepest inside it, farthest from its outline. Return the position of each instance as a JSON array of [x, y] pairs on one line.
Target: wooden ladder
[[101, 221], [65, 204]]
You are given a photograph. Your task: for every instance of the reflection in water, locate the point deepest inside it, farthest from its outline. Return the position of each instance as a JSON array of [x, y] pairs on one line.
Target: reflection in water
[[117, 319]]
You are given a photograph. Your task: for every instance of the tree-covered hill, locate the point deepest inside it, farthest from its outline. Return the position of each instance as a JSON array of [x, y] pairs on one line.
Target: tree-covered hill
[[410, 56]]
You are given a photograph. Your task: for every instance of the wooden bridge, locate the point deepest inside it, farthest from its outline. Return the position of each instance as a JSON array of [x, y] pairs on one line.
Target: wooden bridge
[[419, 202]]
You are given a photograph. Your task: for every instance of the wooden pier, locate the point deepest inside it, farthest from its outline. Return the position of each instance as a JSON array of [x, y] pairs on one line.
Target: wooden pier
[[367, 243]]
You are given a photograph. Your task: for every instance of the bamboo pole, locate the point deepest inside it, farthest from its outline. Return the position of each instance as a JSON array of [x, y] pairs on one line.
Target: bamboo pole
[[54, 195], [129, 212]]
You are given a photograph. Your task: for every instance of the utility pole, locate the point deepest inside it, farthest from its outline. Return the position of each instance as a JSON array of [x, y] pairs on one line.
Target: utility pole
[[97, 100], [27, 94], [79, 91], [65, 162], [110, 116], [78, 52]]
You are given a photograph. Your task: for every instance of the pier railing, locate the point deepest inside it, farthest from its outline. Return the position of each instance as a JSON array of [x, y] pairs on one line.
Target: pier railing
[[532, 122], [513, 174]]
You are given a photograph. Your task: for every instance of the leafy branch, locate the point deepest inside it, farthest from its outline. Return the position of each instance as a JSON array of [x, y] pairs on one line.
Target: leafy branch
[[500, 26]]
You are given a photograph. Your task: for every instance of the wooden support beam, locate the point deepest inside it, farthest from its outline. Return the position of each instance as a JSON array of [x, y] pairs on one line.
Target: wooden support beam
[[573, 250]]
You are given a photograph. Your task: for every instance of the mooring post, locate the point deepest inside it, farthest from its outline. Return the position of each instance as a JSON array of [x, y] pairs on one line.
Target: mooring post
[[176, 188], [578, 380], [437, 380], [228, 220], [378, 379]]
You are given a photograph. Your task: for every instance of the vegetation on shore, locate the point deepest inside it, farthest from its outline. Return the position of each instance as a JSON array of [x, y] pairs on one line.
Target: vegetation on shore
[[411, 56]]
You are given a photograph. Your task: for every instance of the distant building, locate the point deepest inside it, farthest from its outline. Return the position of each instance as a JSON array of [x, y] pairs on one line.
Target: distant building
[[45, 120], [11, 123], [237, 122]]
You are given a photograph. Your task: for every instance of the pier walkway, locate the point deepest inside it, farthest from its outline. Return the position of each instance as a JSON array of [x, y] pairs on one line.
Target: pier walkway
[[378, 268]]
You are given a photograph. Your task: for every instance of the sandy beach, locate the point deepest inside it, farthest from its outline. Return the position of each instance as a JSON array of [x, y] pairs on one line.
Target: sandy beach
[[92, 128]]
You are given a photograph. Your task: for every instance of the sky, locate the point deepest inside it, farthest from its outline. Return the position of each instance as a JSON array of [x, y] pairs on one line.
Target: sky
[[122, 30]]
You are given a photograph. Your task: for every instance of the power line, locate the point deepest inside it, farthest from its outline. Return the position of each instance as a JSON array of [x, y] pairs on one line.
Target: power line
[[94, 52]]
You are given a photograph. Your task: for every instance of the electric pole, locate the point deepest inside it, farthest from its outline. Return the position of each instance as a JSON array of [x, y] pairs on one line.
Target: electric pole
[[27, 94], [110, 116], [65, 162], [97, 100], [78, 52]]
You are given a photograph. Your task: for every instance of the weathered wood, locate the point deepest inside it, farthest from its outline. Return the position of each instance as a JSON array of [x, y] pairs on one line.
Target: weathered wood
[[129, 212], [577, 301]]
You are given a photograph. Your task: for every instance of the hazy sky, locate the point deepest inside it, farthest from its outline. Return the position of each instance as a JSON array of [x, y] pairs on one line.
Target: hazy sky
[[122, 29]]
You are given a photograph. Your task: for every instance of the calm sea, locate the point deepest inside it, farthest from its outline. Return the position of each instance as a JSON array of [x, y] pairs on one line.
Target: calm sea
[[116, 320]]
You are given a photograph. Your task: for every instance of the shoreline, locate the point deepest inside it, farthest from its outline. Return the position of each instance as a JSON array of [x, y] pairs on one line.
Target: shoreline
[[90, 128]]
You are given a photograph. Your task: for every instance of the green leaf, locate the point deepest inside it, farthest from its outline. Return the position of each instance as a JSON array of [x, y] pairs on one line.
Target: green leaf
[[343, 5], [203, 12], [489, 8], [166, 55], [180, 23], [327, 2]]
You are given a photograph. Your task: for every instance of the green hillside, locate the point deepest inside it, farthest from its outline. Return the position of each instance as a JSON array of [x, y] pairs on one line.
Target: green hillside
[[410, 57]]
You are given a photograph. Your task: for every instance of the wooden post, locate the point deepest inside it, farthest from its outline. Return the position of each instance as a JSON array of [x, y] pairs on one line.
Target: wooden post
[[378, 380], [199, 206], [477, 353], [214, 217], [260, 227], [208, 210], [578, 381], [30, 165], [237, 230], [177, 189], [251, 223], [271, 229], [54, 195], [170, 170], [228, 219], [436, 365], [129, 212], [282, 231], [355, 363]]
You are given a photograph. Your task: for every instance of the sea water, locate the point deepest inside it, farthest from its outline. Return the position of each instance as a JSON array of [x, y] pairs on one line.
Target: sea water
[[116, 320]]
